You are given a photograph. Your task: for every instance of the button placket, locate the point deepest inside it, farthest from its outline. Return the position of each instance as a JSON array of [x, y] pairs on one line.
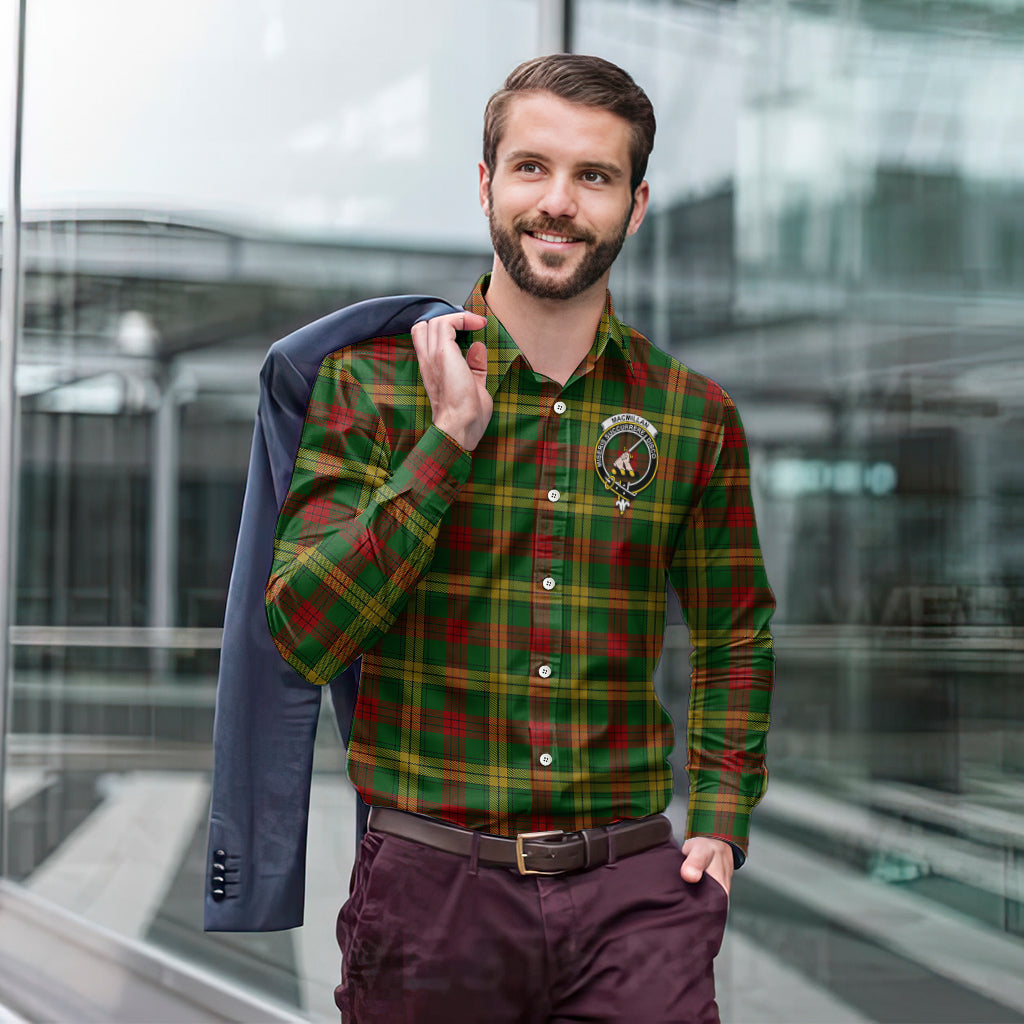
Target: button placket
[[555, 484]]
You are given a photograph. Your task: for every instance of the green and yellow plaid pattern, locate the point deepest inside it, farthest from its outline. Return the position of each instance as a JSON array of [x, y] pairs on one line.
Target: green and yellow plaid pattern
[[508, 614]]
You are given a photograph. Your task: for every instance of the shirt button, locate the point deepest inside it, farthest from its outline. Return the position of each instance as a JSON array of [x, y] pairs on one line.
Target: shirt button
[[544, 671], [545, 759], [560, 407], [549, 583], [553, 495]]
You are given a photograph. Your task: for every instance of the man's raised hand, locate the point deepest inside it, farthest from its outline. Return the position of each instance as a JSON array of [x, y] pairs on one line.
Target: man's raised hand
[[455, 385]]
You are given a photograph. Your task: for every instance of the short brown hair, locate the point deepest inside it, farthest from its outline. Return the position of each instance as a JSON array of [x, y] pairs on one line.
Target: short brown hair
[[577, 78]]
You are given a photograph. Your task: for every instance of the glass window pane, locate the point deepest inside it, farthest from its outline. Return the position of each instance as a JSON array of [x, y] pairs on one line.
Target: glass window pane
[[836, 237], [351, 120], [8, 23], [200, 179]]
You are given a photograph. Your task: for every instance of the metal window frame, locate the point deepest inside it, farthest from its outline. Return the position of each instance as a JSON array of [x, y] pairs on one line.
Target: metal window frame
[[10, 325]]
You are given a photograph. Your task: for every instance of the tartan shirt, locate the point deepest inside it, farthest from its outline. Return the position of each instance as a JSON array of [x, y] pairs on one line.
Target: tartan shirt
[[509, 603]]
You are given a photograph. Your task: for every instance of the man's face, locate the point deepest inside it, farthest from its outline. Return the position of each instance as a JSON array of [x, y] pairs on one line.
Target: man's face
[[559, 203]]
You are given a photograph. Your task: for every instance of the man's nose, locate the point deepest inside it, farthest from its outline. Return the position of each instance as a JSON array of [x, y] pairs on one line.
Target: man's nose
[[559, 199]]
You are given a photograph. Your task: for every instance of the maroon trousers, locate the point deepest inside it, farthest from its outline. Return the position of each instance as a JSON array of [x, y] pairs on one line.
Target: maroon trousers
[[429, 937]]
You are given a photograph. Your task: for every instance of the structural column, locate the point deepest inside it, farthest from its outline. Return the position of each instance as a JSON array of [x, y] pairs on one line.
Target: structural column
[[10, 310], [554, 34], [163, 548]]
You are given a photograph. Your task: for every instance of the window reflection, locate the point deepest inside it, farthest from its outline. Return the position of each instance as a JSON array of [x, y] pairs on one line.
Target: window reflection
[[854, 282], [835, 236], [190, 199]]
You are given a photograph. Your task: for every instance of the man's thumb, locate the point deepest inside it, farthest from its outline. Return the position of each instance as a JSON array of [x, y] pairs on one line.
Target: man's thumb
[[477, 357]]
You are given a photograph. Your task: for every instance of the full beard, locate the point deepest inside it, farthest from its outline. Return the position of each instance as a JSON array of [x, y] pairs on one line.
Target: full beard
[[599, 256]]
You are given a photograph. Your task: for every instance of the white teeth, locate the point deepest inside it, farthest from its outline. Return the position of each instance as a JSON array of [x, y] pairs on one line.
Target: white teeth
[[551, 238]]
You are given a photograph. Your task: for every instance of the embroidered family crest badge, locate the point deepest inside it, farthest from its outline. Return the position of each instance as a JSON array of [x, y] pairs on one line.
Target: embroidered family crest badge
[[626, 456]]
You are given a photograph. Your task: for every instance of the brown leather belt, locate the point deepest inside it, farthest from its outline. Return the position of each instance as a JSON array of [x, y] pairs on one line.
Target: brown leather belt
[[530, 853]]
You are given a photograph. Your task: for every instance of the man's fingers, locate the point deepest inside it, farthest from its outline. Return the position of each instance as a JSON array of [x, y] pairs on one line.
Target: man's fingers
[[442, 328], [419, 336], [472, 321], [430, 336], [464, 320]]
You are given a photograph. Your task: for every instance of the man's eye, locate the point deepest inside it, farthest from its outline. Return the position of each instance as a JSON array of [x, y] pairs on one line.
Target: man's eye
[[529, 168], [593, 177]]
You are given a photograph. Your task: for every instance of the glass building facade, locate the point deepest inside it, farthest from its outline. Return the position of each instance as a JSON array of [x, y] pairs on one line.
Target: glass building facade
[[836, 235]]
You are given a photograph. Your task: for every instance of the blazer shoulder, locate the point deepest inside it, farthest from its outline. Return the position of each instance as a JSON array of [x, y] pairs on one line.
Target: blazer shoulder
[[371, 318]]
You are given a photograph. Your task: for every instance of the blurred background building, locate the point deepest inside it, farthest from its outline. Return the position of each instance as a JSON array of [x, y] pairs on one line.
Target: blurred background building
[[836, 236]]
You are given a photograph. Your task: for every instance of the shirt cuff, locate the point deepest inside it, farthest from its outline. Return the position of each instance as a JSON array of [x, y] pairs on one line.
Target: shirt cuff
[[434, 471], [738, 854]]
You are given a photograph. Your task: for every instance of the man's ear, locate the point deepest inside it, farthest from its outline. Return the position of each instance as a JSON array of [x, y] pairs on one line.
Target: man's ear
[[641, 197], [485, 184]]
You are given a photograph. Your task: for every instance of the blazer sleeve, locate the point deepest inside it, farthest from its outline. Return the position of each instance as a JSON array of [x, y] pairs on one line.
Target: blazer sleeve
[[266, 713]]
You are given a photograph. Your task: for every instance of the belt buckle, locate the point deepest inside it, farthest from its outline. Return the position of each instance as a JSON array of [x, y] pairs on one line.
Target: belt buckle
[[520, 855]]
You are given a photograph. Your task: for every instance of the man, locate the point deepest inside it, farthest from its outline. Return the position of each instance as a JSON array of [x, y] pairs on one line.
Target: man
[[487, 511]]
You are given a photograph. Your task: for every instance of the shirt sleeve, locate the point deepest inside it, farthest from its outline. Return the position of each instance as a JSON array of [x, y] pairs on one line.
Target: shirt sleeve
[[356, 531], [719, 575]]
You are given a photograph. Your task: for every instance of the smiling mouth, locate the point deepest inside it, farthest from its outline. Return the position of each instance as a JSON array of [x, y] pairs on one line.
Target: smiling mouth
[[546, 237]]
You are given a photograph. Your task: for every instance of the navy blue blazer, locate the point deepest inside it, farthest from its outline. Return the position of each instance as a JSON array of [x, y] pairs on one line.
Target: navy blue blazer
[[266, 713]]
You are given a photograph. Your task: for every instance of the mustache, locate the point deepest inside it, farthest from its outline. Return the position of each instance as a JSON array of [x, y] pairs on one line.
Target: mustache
[[546, 226]]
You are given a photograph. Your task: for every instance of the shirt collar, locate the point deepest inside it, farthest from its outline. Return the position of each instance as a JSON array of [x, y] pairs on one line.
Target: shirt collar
[[502, 350]]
